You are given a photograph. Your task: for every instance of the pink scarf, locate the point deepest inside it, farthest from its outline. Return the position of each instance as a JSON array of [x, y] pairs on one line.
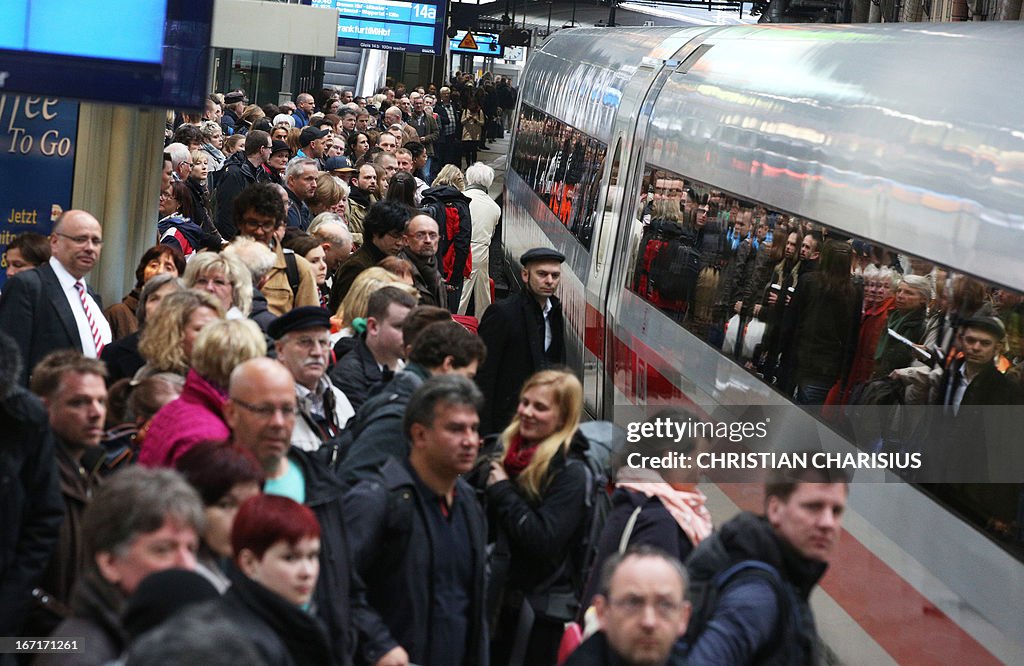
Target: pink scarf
[[687, 508]]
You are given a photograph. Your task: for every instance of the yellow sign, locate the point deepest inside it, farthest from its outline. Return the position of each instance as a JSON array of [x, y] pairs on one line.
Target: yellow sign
[[468, 42]]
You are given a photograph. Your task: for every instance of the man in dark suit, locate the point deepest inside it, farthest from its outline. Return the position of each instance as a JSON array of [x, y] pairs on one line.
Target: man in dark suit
[[524, 333], [50, 307], [383, 235]]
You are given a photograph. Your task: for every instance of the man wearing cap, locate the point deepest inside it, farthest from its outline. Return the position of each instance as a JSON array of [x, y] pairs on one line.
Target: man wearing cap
[[524, 333], [300, 182], [234, 102], [302, 340], [312, 142]]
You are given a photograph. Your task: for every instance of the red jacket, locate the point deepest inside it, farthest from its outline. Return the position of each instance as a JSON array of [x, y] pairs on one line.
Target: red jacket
[[196, 416]]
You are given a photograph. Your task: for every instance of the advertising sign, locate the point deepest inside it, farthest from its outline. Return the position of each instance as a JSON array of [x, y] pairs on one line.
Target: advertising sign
[[37, 165], [389, 25]]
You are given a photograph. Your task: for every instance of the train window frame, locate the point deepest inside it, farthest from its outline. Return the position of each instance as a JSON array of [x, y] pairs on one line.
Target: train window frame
[[608, 210]]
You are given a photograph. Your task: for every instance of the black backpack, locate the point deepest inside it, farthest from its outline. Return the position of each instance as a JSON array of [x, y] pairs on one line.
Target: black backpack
[[708, 584], [676, 266]]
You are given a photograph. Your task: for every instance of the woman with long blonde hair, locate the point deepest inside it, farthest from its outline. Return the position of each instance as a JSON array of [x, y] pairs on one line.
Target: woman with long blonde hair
[[536, 499]]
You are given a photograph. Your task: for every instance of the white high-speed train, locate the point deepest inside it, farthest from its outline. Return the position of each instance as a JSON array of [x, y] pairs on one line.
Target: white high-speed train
[[906, 137]]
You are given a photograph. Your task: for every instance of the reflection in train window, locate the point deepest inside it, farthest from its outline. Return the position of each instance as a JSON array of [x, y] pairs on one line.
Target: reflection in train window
[[563, 166], [829, 319]]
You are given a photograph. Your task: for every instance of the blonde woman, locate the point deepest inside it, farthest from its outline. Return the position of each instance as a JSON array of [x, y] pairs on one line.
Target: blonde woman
[[225, 277], [536, 498], [167, 339], [197, 415]]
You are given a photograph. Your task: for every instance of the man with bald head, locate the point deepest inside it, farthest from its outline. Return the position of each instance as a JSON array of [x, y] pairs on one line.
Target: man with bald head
[[261, 411], [336, 240], [421, 239], [50, 307]]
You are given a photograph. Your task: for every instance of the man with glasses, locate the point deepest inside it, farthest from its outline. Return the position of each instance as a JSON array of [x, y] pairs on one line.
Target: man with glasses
[[243, 168], [421, 238], [259, 213], [261, 410], [302, 340], [642, 610], [50, 307]]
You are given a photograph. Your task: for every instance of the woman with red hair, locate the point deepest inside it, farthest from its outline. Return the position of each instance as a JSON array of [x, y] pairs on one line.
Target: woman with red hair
[[276, 544]]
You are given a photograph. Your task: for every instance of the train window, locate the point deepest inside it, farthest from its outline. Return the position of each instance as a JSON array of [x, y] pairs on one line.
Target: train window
[[825, 318], [563, 167]]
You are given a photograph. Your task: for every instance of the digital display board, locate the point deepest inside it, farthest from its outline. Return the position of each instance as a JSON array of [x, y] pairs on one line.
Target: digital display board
[[144, 52], [388, 25], [486, 45]]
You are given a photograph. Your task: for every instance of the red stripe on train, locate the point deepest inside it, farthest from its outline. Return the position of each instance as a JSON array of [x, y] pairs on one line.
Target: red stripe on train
[[896, 616]]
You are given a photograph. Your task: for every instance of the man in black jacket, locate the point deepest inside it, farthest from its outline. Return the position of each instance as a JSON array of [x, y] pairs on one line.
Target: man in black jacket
[[242, 169], [383, 236], [524, 333], [261, 412], [441, 348], [418, 535], [421, 236], [32, 511]]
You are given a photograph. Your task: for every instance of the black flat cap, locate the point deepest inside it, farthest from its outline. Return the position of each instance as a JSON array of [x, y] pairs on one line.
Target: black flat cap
[[992, 325], [160, 595], [541, 254], [299, 319], [233, 98]]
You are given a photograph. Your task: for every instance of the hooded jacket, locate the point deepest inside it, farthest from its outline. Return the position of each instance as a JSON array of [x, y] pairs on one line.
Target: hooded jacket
[[180, 232]]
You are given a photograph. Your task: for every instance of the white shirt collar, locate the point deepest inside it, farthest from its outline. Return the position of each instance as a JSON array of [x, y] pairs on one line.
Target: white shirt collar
[[67, 280]]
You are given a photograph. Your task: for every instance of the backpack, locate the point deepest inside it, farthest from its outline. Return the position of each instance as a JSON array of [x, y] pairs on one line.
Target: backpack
[[291, 268], [706, 590], [447, 217], [676, 264]]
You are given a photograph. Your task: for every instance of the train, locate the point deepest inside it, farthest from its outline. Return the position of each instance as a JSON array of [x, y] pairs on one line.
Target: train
[[907, 137]]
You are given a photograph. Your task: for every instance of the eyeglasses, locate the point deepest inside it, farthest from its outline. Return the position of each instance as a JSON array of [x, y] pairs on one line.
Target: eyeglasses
[[82, 240], [633, 605], [267, 411], [426, 235], [269, 226]]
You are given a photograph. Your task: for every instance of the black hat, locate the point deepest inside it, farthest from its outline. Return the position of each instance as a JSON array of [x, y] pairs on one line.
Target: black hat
[[279, 146], [541, 254], [311, 134], [160, 595], [299, 319], [991, 325], [234, 97]]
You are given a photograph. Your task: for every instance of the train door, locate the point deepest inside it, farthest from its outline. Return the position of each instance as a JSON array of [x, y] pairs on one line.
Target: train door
[[628, 213]]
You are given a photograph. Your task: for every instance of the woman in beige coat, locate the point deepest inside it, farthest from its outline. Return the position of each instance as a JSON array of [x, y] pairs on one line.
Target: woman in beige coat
[[485, 214]]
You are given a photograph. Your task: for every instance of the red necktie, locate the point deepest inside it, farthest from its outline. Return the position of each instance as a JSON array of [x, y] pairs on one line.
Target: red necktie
[[96, 338]]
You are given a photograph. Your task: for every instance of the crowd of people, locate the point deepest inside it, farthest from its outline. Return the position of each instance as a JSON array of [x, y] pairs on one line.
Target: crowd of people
[[897, 352], [271, 449]]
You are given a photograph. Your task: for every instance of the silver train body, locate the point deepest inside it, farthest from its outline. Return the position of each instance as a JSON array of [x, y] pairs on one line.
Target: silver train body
[[910, 135]]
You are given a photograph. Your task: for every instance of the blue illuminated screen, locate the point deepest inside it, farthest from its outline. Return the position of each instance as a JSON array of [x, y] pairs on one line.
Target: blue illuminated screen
[[143, 52], [388, 25], [486, 45], [131, 30]]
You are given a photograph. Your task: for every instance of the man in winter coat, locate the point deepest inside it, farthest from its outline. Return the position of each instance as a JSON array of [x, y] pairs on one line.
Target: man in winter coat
[[762, 615], [418, 530], [376, 431], [242, 169], [524, 333]]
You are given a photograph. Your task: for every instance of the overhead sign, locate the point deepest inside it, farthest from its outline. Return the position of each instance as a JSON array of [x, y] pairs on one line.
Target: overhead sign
[[389, 25], [37, 165], [477, 44]]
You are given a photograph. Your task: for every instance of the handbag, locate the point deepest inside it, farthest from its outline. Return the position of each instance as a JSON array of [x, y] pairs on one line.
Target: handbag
[[752, 337]]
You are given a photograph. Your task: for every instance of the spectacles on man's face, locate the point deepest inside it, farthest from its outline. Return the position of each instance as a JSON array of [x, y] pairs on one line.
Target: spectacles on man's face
[[634, 605], [82, 240], [267, 411], [426, 235], [265, 226]]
